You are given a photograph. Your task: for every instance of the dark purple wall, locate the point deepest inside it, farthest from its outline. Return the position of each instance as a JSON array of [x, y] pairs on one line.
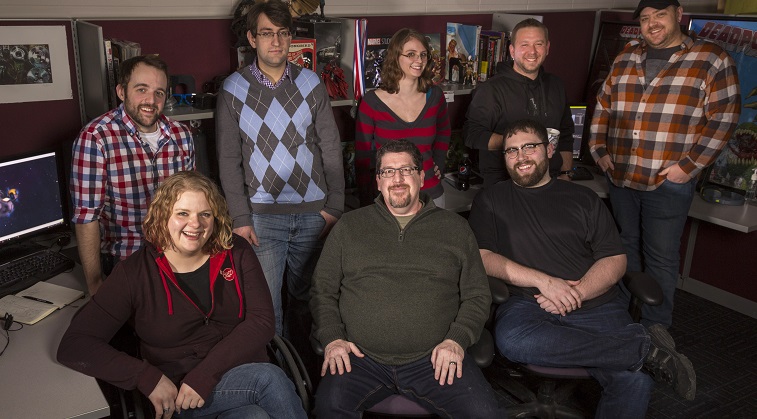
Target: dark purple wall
[[35, 126]]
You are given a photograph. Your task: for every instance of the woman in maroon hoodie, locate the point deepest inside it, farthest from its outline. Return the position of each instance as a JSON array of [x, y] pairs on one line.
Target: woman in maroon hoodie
[[199, 303]]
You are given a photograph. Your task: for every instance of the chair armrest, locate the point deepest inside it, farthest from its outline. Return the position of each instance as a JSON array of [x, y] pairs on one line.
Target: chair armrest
[[643, 287], [483, 350], [316, 345], [499, 290]]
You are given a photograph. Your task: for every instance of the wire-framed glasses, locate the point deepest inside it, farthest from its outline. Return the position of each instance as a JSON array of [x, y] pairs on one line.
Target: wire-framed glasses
[[413, 55], [404, 171], [282, 34]]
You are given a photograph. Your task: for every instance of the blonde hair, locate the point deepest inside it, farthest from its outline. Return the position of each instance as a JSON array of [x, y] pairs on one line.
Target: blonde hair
[[155, 226]]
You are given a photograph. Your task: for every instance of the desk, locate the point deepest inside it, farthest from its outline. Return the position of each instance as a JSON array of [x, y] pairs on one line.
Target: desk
[[741, 218], [33, 383]]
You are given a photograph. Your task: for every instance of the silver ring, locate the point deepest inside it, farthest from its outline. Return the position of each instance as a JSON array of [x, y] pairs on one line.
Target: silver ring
[[452, 363], [166, 409]]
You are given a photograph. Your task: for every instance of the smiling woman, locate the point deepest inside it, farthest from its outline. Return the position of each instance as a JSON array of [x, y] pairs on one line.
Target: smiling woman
[[200, 307], [405, 106]]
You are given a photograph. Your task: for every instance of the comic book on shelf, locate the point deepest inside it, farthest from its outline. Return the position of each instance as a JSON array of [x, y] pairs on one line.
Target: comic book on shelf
[[375, 52], [461, 46], [302, 53], [437, 56], [491, 46]]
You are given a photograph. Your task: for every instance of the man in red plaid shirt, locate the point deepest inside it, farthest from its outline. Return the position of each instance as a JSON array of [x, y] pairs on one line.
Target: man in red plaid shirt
[[664, 113], [118, 160]]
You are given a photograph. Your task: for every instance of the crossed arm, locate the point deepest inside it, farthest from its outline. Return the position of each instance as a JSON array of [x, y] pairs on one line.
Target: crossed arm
[[556, 295]]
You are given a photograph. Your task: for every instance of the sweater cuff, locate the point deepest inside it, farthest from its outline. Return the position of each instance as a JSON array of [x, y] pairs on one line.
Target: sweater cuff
[[200, 383], [459, 336], [336, 213], [149, 379], [242, 221], [328, 335]]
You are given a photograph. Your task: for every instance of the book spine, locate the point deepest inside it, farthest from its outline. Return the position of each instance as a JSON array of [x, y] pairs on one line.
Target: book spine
[[110, 74]]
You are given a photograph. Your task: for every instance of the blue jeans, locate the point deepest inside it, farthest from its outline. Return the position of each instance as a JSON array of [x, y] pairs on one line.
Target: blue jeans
[[257, 390], [348, 395], [604, 340], [651, 224], [291, 241]]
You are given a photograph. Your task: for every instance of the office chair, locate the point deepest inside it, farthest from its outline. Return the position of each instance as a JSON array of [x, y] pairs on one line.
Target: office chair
[[400, 406], [548, 401], [131, 404]]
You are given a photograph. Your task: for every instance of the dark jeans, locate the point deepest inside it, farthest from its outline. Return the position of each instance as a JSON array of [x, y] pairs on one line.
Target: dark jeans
[[651, 224], [347, 395], [603, 339]]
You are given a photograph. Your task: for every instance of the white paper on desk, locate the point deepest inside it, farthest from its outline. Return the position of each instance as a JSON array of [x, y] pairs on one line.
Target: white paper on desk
[[25, 310], [59, 296]]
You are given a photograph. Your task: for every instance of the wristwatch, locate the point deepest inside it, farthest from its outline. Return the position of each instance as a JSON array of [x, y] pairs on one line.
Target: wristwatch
[[567, 172]]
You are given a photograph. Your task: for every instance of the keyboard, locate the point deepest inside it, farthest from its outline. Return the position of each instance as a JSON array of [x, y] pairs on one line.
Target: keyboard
[[22, 273]]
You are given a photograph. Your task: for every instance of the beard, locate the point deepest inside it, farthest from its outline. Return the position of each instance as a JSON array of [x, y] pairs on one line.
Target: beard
[[530, 179], [132, 109], [401, 201]]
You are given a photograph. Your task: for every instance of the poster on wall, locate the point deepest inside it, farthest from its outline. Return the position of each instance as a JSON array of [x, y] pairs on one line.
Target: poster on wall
[[738, 36], [34, 64]]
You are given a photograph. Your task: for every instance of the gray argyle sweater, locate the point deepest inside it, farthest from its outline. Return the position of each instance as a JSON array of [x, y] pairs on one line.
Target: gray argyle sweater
[[278, 149]]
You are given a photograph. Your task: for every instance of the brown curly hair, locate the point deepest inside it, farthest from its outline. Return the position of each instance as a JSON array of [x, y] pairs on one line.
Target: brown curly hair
[[155, 226], [391, 72]]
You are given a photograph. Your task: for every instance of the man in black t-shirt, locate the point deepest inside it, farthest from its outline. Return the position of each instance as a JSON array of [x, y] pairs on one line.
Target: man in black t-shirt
[[556, 246]]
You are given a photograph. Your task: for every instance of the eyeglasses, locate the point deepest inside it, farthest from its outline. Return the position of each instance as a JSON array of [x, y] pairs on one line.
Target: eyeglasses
[[528, 149], [184, 98], [404, 171], [412, 55], [282, 34]]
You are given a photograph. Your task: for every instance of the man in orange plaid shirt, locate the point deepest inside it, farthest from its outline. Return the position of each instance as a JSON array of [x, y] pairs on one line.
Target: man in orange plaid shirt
[[664, 113]]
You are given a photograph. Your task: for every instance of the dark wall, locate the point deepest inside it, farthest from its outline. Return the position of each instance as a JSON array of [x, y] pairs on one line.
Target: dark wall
[[202, 48], [37, 126]]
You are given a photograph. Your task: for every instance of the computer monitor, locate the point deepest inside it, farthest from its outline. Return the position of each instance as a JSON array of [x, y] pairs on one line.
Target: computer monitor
[[579, 116], [31, 197]]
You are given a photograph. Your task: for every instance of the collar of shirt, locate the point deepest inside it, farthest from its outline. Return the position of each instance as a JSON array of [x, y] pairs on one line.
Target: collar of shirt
[[259, 76], [686, 44]]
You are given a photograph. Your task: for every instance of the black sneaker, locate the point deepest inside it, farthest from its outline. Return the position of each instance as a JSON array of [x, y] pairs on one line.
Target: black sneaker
[[665, 365]]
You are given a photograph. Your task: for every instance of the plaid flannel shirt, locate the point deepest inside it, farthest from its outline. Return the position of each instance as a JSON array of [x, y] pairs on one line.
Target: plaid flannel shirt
[[114, 175], [683, 116]]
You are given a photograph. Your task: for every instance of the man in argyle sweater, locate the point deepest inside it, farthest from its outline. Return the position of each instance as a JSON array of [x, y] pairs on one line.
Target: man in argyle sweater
[[280, 162]]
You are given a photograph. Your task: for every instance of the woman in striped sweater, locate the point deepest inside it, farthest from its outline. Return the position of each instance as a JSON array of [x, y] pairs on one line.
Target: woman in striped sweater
[[406, 105]]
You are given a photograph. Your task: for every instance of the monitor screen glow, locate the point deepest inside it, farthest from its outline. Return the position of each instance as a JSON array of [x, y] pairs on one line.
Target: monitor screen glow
[[30, 196]]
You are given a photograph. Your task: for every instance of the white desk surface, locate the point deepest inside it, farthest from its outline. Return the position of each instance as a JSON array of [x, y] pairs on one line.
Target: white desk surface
[[33, 384], [457, 200]]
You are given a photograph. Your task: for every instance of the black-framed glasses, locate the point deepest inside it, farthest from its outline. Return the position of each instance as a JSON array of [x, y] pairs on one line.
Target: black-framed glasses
[[404, 171], [184, 98], [528, 149], [282, 34], [413, 55]]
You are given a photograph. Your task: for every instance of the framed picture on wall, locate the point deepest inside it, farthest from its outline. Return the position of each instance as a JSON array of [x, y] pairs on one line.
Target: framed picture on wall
[[34, 64]]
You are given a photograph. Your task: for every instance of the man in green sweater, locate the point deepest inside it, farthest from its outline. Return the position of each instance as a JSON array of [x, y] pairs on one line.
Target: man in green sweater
[[398, 294]]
